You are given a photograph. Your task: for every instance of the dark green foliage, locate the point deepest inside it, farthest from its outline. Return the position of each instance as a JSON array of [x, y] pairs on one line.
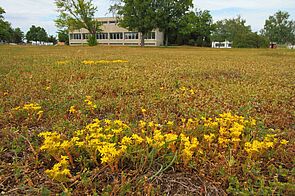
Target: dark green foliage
[[92, 41], [239, 33], [169, 14], [36, 34], [279, 28], [137, 15], [17, 36], [63, 36], [195, 29]]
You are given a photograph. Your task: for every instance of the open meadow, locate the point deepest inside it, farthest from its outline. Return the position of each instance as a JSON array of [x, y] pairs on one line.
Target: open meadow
[[146, 121]]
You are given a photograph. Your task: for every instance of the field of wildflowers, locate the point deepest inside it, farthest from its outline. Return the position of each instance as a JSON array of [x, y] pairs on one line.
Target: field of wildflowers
[[146, 121]]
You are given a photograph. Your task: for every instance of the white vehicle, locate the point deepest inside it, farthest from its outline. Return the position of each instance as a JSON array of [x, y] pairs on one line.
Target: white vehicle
[[225, 44]]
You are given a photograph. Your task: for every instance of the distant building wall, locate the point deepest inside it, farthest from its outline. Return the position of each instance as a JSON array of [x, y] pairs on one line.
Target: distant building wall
[[112, 34]]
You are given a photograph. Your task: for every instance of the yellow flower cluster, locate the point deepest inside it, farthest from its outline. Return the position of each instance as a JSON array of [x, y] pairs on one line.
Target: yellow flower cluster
[[107, 141], [189, 146], [60, 171], [91, 62], [231, 128], [209, 138], [72, 110], [187, 91], [190, 123], [106, 138], [54, 144], [31, 108], [62, 62], [256, 147], [89, 102]]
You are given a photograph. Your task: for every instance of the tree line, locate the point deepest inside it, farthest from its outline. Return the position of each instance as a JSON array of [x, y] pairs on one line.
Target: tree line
[[178, 21], [8, 34]]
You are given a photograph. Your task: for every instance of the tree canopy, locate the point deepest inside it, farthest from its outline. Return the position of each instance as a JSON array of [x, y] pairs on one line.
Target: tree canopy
[[37, 34], [137, 15], [239, 33], [145, 15], [63, 36], [169, 14], [279, 28], [77, 14], [195, 28]]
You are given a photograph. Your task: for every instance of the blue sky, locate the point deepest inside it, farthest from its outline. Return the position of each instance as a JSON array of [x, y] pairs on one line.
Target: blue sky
[[24, 13]]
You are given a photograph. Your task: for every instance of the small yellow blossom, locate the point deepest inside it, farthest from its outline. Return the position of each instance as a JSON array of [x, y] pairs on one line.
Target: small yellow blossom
[[72, 110], [284, 142]]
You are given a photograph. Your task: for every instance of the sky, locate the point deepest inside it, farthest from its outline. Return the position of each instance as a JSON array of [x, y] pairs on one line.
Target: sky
[[25, 13]]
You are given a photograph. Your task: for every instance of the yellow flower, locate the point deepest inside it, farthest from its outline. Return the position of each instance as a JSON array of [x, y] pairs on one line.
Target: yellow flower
[[170, 123], [143, 110], [209, 138], [126, 141], [142, 124], [137, 139], [170, 137], [60, 171], [284, 142], [117, 131], [72, 110], [151, 124]]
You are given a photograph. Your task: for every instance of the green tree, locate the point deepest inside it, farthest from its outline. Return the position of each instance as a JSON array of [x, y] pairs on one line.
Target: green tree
[[63, 36], [196, 27], [17, 36], [137, 15], [169, 13], [279, 28], [32, 34], [36, 34], [77, 14], [5, 28], [42, 34], [239, 33], [229, 29]]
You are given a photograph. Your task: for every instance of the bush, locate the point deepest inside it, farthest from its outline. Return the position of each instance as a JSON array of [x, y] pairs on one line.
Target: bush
[[92, 40]]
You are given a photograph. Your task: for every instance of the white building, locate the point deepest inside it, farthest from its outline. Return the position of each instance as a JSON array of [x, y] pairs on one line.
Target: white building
[[225, 44], [112, 34]]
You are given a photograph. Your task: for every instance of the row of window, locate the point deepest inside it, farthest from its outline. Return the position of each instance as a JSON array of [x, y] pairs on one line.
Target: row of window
[[109, 22], [127, 35]]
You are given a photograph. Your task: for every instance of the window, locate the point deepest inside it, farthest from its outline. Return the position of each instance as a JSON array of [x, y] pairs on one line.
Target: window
[[131, 35], [104, 22], [116, 35], [150, 35], [75, 36], [102, 36], [112, 22], [86, 35]]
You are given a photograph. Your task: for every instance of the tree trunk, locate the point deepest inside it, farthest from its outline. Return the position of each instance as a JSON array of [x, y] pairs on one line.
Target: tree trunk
[[166, 39], [142, 40]]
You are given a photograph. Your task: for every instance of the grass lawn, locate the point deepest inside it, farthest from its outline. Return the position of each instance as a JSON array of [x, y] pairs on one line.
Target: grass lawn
[[128, 120]]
